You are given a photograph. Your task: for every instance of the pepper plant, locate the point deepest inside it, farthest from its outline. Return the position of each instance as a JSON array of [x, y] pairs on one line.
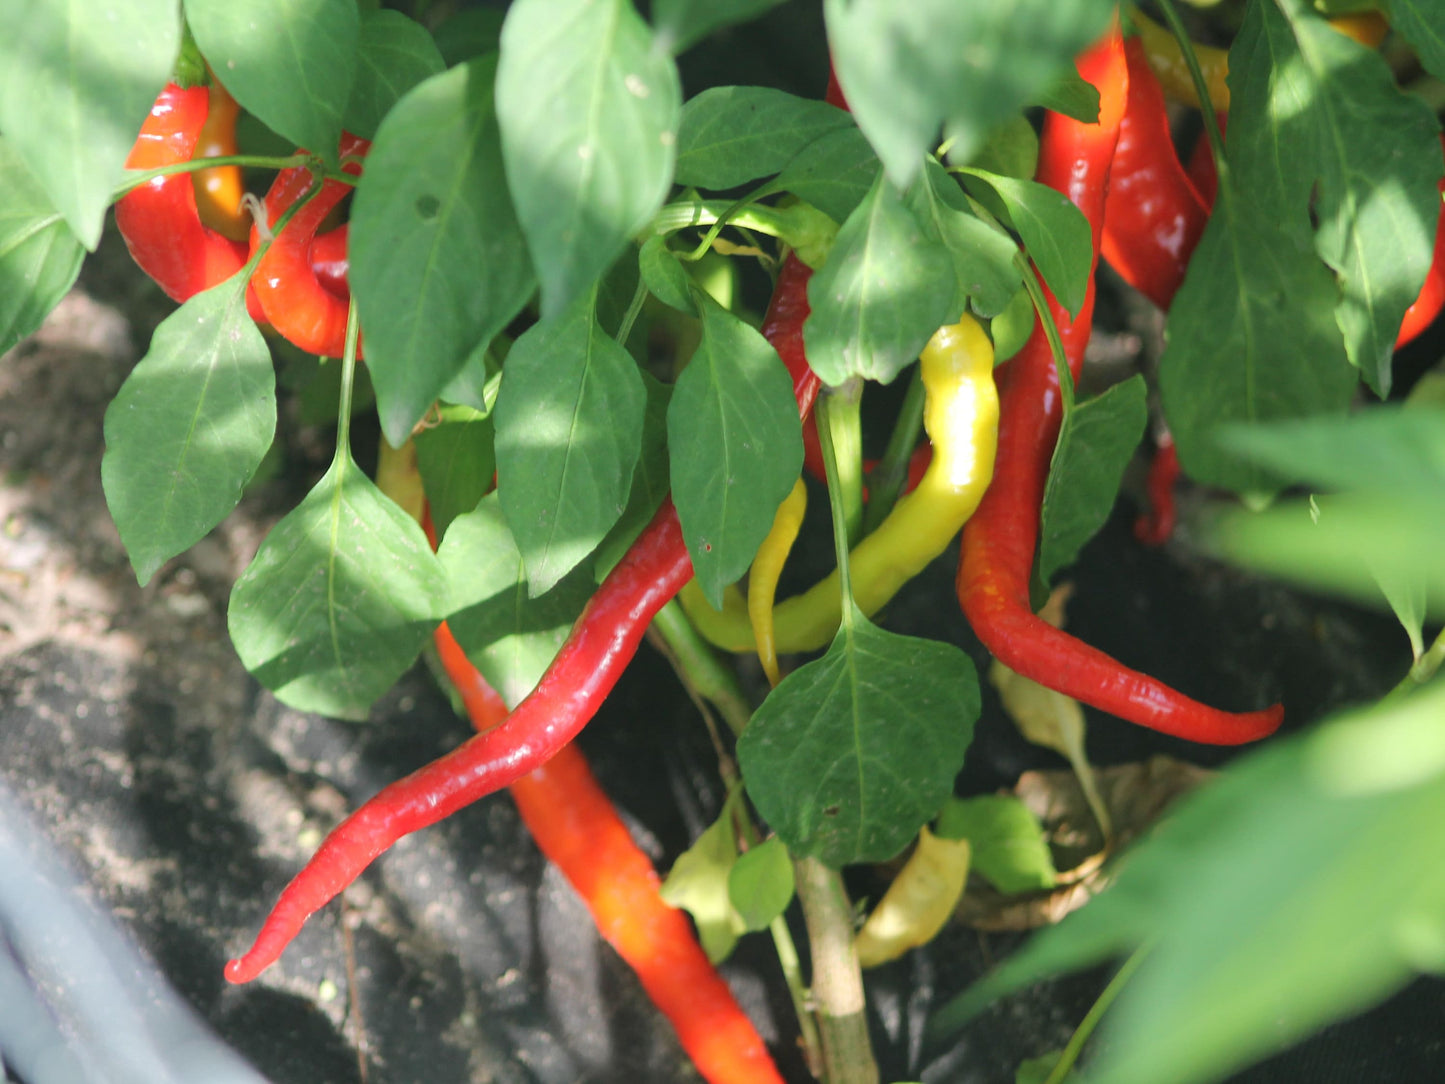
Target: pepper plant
[[544, 291]]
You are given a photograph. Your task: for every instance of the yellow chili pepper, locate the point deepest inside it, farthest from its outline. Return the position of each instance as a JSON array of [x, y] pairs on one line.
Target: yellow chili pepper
[[919, 901], [961, 417], [767, 567], [1366, 27]]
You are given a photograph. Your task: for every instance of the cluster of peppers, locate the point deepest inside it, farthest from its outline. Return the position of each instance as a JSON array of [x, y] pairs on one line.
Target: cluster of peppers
[[983, 472]]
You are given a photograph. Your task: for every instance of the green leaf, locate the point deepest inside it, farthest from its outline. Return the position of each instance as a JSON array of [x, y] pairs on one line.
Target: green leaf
[[1012, 150], [1071, 95], [290, 62], [736, 446], [477, 382], [698, 883], [681, 24], [650, 480], [340, 599], [468, 33], [1298, 888], [1251, 337], [1008, 842], [456, 463], [74, 90], [438, 261], [1096, 442], [508, 635], [760, 885], [589, 111], [664, 274], [1384, 448], [1422, 24], [39, 254], [884, 291], [1320, 134], [1377, 537], [1347, 544], [834, 173], [1037, 1070], [983, 257], [908, 68], [1055, 232], [1011, 328], [731, 135], [569, 427], [396, 53], [850, 755], [188, 428]]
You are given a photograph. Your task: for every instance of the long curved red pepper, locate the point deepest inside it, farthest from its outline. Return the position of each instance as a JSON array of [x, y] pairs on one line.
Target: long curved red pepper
[[292, 296], [1153, 217], [601, 644], [999, 542], [577, 828], [159, 220]]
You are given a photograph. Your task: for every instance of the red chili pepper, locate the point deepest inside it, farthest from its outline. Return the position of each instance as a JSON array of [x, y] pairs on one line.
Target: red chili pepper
[[601, 644], [159, 220], [1153, 216], [577, 828], [1000, 540], [1421, 314], [292, 296], [330, 262], [1154, 527]]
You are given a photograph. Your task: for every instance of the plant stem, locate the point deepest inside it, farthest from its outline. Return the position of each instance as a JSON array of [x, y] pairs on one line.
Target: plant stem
[[1201, 88], [699, 667], [837, 979], [886, 482], [1091, 1020], [840, 432], [258, 161]]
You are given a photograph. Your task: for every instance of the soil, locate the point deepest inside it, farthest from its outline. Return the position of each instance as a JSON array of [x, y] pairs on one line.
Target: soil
[[182, 796]]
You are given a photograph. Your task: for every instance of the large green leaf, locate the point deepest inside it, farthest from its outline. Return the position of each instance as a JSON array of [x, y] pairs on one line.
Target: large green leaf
[[569, 427], [1322, 137], [438, 261], [508, 635], [290, 62], [1054, 231], [189, 427], [396, 53], [456, 462], [1380, 537], [851, 754], [589, 109], [735, 443], [886, 288], [39, 254], [983, 257], [906, 68], [75, 87], [1251, 337], [1096, 441], [683, 23], [1300, 887], [468, 33], [1422, 24], [731, 135], [650, 480], [834, 173], [340, 598]]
